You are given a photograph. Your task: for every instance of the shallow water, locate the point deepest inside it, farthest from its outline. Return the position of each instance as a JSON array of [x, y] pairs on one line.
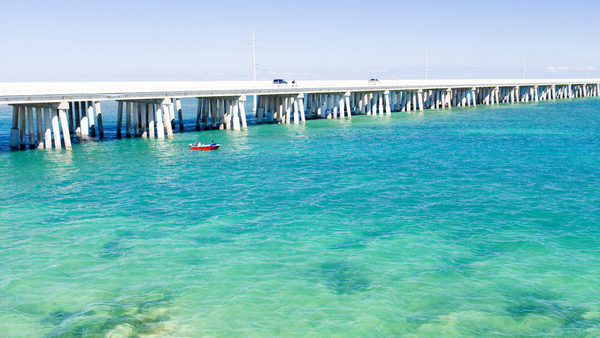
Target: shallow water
[[469, 222]]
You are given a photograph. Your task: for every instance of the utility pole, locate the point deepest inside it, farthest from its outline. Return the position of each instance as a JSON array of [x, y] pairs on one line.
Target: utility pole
[[587, 67], [426, 61], [254, 69], [253, 55], [523, 64]]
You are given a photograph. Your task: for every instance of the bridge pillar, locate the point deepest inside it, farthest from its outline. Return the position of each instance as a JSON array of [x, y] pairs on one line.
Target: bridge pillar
[[301, 106], [98, 111], [143, 131], [159, 115], [91, 119], [55, 128], [14, 131], [38, 123], [347, 96], [296, 108], [62, 114], [84, 123], [388, 109], [179, 112], [128, 112], [30, 126], [288, 109], [167, 105], [119, 117], [201, 114], [171, 116], [48, 128], [235, 113], [70, 116], [77, 119], [420, 99]]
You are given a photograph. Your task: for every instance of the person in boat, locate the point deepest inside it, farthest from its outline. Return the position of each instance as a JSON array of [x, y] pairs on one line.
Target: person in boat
[[212, 143], [197, 143]]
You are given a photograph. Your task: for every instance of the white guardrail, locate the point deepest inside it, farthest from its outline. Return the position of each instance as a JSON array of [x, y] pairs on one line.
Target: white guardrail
[[36, 91]]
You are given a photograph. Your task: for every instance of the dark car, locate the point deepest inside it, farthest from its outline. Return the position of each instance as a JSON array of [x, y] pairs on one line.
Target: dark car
[[279, 81], [374, 81]]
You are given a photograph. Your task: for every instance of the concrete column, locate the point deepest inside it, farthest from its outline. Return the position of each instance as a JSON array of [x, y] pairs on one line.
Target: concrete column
[[39, 127], [288, 110], [77, 119], [90, 116], [47, 128], [14, 131], [62, 114], [235, 114], [152, 118], [536, 90], [373, 103], [334, 105], [143, 119], [119, 117], [85, 124], [420, 99], [128, 106], [214, 112], [342, 104], [270, 110], [206, 112], [70, 116], [268, 102], [468, 97], [30, 127], [179, 113], [388, 109], [227, 113], [167, 105], [296, 110], [301, 106], [136, 118], [242, 112], [260, 109], [199, 114], [474, 96], [349, 110], [99, 121], [171, 111], [55, 128], [160, 125]]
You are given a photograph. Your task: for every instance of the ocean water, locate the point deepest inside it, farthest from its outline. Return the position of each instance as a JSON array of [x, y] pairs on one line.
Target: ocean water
[[462, 223]]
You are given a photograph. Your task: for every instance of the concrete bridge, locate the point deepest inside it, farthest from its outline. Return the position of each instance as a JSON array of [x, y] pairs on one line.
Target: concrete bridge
[[48, 115]]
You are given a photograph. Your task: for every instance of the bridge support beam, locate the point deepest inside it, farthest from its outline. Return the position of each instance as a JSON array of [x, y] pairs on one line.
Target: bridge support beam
[[179, 113], [62, 114]]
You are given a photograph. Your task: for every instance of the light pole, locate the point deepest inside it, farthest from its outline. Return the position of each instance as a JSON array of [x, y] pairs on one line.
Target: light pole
[[426, 61], [254, 69], [523, 64]]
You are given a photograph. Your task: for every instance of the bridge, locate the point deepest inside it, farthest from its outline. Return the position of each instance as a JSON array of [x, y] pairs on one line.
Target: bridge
[[48, 115]]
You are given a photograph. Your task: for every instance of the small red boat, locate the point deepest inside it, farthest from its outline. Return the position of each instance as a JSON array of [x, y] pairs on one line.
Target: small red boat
[[204, 147]]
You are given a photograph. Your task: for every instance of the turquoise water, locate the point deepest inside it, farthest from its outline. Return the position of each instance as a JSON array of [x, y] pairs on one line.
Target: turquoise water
[[469, 222]]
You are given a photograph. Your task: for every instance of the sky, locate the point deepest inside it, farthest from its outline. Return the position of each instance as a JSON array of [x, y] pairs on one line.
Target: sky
[[304, 40]]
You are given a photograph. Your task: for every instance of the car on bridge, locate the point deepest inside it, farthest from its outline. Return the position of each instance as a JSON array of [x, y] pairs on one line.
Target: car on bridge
[[279, 81], [374, 81]]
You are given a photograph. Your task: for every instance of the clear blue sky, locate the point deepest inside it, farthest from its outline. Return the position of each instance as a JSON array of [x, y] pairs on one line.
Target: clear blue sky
[[209, 40]]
